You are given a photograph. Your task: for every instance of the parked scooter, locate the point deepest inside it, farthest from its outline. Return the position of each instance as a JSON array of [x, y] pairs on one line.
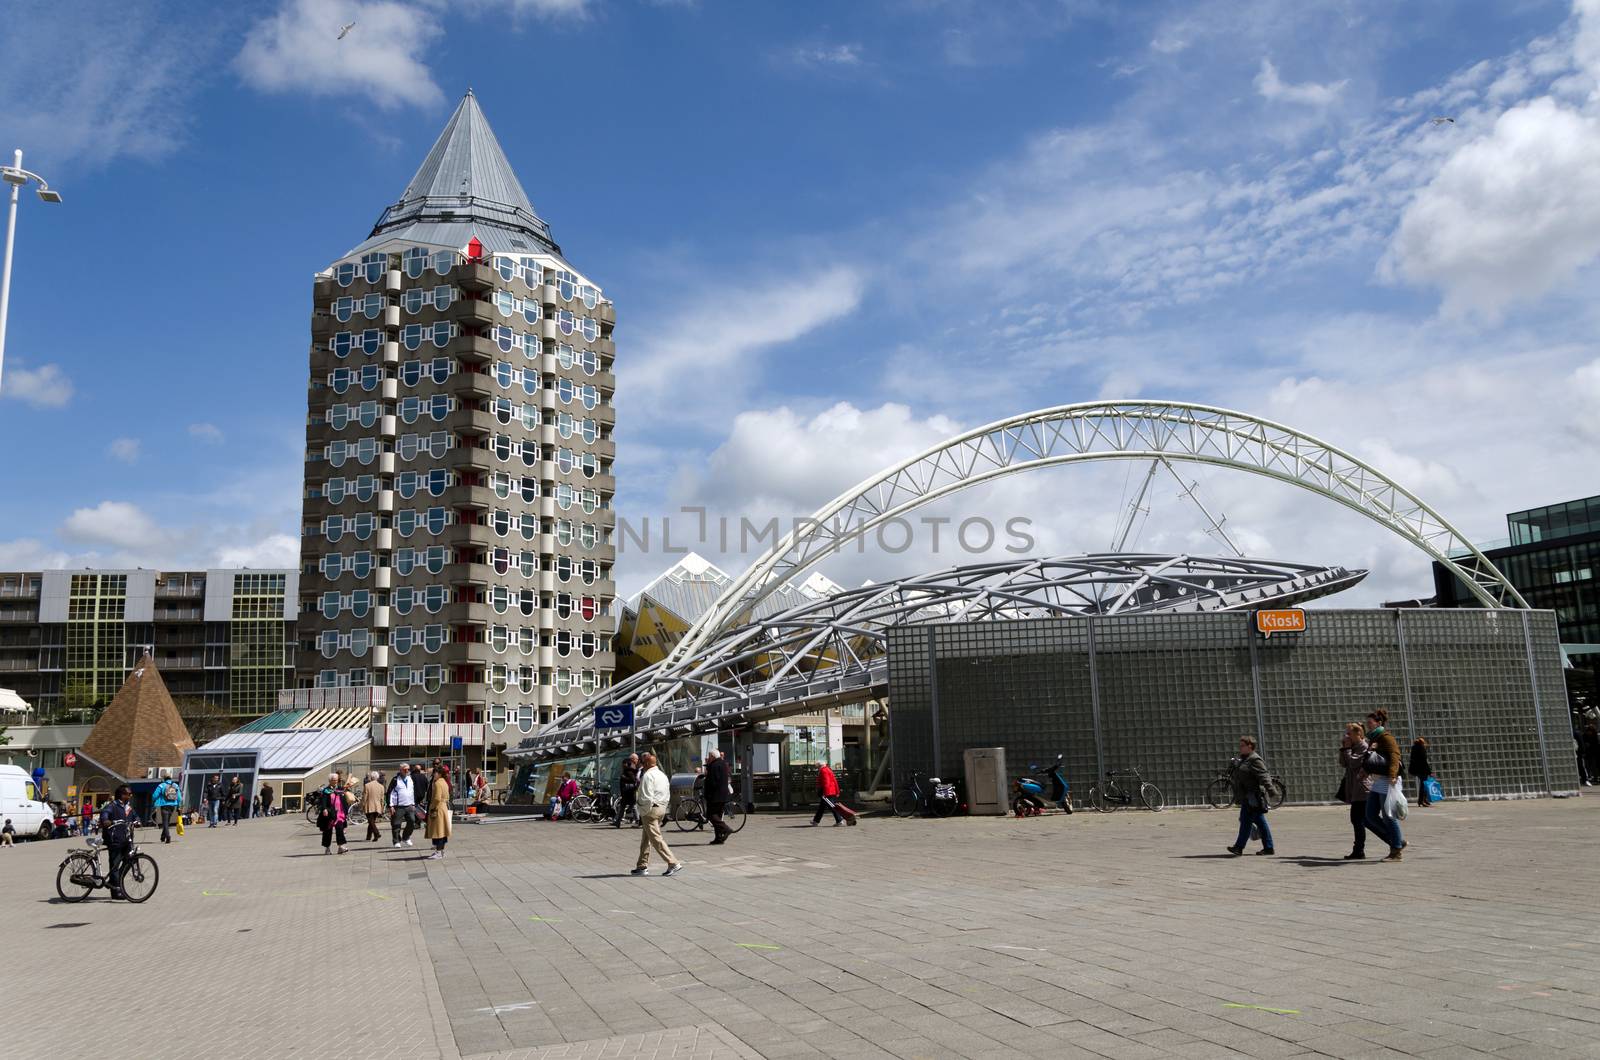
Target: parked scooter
[[1030, 795]]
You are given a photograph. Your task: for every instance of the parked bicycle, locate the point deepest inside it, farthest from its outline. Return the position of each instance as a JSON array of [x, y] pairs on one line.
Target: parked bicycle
[[925, 795], [79, 875], [691, 810], [353, 813], [1219, 793], [1124, 787]]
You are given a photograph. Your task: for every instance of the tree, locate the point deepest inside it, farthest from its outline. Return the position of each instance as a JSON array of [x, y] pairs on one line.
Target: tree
[[204, 719], [4, 739]]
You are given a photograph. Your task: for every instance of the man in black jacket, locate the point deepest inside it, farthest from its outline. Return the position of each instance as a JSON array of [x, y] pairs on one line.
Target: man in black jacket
[[719, 785], [116, 827], [629, 794]]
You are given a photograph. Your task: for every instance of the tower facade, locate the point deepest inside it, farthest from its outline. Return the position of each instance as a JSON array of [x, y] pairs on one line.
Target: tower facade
[[456, 539]]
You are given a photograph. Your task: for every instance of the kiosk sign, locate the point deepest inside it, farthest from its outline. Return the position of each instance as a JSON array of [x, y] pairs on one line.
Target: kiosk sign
[[1286, 620]]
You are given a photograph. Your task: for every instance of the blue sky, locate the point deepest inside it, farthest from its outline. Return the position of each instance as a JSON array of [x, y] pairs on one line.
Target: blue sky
[[835, 233]]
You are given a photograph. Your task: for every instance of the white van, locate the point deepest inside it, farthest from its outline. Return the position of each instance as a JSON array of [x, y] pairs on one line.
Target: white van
[[19, 801]]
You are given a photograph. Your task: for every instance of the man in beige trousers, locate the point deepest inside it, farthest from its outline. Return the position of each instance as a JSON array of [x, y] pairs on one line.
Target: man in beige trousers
[[654, 795]]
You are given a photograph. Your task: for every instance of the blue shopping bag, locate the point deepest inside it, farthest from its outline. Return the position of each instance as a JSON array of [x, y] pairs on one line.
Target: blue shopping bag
[[1435, 791]]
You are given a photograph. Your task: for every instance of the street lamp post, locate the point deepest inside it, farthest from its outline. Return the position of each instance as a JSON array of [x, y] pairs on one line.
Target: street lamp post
[[16, 176]]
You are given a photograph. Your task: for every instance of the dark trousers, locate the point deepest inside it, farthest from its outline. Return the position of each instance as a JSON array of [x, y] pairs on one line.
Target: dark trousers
[[372, 826], [233, 811], [1358, 822], [626, 802], [266, 807], [166, 824], [1422, 792], [119, 857], [718, 826], [330, 829], [827, 804], [406, 815]]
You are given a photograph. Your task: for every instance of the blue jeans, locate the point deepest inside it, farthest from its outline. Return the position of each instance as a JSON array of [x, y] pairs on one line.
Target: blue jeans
[[216, 813], [1258, 818], [1385, 828]]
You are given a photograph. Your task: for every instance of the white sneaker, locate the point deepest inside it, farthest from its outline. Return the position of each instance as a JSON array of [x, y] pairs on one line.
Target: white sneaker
[[409, 843], [397, 844], [435, 856]]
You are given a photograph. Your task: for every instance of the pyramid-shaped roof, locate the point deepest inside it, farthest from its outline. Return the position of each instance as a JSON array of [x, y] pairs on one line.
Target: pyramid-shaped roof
[[465, 187], [140, 728]]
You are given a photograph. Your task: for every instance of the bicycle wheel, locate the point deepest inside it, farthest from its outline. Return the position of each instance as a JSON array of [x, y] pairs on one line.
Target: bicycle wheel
[[72, 878], [687, 814], [1151, 796], [502, 796], [905, 803], [139, 878], [356, 816], [733, 816], [582, 806], [1220, 793], [944, 807], [1097, 799], [312, 811], [1280, 791]]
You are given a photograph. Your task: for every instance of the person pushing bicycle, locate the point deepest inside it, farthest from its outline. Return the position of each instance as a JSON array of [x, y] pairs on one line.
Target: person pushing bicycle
[[116, 828]]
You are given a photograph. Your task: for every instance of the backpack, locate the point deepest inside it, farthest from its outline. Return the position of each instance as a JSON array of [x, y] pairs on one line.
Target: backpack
[[169, 793]]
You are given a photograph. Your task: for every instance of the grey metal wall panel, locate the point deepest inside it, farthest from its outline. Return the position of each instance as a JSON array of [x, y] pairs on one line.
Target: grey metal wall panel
[[141, 600], [291, 595], [219, 595], [1177, 691], [54, 588]]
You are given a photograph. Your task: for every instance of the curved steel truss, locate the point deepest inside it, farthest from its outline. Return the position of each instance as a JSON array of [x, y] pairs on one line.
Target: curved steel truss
[[833, 650], [1102, 430]]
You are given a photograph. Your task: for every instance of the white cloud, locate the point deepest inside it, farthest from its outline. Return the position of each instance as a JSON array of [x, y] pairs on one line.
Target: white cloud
[[700, 359], [1310, 93], [45, 387], [206, 432], [826, 55], [297, 50], [274, 550], [114, 523], [105, 81], [124, 449], [1511, 215]]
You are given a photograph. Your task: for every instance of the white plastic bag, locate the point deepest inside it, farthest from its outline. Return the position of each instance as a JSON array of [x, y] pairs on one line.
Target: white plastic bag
[[1394, 803]]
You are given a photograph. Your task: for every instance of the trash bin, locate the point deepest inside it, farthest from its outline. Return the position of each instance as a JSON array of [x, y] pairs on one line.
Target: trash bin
[[986, 780]]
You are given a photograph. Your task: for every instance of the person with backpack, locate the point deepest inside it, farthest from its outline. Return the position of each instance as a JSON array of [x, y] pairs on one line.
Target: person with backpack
[[1252, 787], [166, 801], [405, 792], [1382, 764], [331, 816]]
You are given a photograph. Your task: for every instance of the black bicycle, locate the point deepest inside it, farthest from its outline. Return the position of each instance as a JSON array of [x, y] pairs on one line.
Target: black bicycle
[[925, 795], [1124, 787], [79, 875], [690, 810], [1219, 793], [353, 813]]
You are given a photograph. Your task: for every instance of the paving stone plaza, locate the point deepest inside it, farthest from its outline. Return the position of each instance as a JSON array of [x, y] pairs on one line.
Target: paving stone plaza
[[1124, 935]]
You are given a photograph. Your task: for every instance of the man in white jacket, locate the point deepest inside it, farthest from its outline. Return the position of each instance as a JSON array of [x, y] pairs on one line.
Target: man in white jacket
[[654, 795]]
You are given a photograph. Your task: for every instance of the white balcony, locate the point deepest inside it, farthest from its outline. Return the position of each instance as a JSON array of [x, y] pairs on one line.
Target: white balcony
[[425, 734]]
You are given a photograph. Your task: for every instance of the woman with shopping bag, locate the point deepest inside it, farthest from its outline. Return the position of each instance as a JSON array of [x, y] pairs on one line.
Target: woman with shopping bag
[[1385, 801]]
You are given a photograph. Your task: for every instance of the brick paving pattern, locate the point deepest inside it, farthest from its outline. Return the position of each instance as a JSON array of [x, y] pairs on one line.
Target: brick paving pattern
[[1127, 935]]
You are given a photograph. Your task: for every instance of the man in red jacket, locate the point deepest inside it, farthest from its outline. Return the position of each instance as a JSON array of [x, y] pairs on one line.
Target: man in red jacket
[[828, 799]]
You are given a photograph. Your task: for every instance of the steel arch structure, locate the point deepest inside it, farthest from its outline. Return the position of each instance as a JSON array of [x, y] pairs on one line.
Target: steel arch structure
[[1107, 430], [834, 650]]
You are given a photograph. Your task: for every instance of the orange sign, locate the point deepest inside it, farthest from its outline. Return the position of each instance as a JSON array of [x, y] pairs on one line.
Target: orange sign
[[1288, 620]]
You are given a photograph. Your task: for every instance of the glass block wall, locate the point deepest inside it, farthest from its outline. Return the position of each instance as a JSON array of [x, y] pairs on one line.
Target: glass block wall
[[1171, 695]]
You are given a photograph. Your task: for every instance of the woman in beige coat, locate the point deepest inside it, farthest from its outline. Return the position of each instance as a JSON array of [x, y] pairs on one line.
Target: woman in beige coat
[[439, 811]]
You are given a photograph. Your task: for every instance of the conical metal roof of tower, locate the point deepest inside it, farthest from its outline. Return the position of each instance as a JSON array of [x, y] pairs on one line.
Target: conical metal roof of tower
[[465, 188]]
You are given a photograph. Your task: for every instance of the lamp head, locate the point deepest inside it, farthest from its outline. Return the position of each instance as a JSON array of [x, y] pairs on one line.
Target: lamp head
[[46, 195]]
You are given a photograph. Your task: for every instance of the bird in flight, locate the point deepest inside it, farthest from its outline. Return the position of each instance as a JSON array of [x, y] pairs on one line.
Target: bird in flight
[[1436, 121], [344, 31]]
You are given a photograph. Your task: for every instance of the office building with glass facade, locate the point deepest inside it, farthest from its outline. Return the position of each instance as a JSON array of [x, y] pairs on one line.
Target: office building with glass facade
[[457, 520], [1552, 555]]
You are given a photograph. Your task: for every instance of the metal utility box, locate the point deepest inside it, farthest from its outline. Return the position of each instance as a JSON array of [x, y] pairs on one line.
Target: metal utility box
[[986, 780]]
